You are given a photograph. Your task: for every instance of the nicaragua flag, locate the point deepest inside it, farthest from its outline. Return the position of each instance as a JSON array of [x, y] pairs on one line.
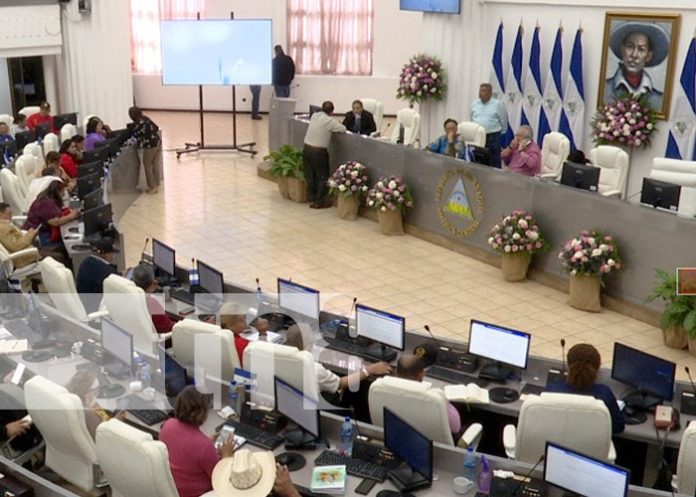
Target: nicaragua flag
[[574, 96], [532, 86], [553, 91], [680, 144], [497, 78], [514, 91]]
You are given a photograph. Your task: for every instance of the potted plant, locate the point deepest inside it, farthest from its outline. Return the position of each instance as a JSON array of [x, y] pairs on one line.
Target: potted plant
[[350, 182], [678, 319], [287, 169], [390, 196], [587, 259], [422, 78], [516, 237]]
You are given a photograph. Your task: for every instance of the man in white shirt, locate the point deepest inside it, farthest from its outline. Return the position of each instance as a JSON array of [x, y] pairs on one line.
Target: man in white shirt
[[490, 113], [316, 154]]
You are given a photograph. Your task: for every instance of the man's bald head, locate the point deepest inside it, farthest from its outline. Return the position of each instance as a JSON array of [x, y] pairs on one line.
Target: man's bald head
[[410, 367]]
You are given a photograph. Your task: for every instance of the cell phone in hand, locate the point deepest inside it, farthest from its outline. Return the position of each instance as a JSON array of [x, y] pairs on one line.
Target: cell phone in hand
[[226, 434]]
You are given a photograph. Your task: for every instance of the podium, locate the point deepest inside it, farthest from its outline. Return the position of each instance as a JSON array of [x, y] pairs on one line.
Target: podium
[[281, 110]]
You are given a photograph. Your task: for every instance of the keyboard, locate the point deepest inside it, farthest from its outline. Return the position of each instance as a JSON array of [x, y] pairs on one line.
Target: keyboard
[[530, 389], [453, 376], [255, 436], [354, 467], [183, 295], [344, 346], [142, 409]]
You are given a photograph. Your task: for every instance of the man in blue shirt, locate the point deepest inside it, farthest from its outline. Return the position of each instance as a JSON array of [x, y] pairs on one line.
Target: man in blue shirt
[[490, 113], [450, 143]]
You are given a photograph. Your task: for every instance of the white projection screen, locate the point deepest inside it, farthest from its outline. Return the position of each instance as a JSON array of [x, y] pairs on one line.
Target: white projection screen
[[217, 52]]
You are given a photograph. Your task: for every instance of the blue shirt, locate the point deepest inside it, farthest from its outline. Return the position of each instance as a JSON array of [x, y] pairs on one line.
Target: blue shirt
[[441, 145], [600, 392], [5, 138], [491, 115]]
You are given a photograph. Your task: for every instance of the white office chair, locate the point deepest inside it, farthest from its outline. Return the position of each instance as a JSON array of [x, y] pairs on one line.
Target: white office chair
[[613, 162], [472, 133], [133, 463], [205, 345], [25, 169], [579, 422], [85, 121], [678, 172], [409, 119], [50, 143], [60, 417], [376, 108], [12, 192], [7, 119], [30, 110], [554, 152], [60, 285], [407, 399], [35, 150], [67, 131], [15, 275], [684, 481]]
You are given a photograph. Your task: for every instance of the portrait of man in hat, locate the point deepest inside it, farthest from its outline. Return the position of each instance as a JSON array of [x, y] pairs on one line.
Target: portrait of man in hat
[[638, 58]]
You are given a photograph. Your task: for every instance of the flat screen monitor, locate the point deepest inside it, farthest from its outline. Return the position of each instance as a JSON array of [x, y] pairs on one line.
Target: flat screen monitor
[[217, 52], [584, 475], [650, 376], [112, 145], [408, 444], [88, 168], [298, 408], [175, 377], [298, 299], [41, 130], [582, 176], [117, 342], [479, 155], [435, 6], [164, 257], [210, 279], [120, 135], [87, 184], [97, 154], [502, 345], [24, 138], [313, 109], [660, 194], [62, 119], [93, 199], [381, 326], [8, 149], [97, 219]]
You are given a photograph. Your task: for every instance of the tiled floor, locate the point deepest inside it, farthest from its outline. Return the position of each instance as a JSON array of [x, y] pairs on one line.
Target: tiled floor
[[215, 208]]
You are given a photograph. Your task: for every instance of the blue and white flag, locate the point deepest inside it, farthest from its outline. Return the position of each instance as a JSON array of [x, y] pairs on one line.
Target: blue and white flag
[[246, 378], [680, 143], [532, 86], [574, 96], [514, 90], [553, 90], [497, 76]]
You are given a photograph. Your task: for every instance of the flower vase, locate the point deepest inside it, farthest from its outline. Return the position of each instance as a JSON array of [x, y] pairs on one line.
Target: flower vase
[[391, 222], [515, 266], [585, 290], [676, 337], [348, 206], [283, 186], [297, 190]]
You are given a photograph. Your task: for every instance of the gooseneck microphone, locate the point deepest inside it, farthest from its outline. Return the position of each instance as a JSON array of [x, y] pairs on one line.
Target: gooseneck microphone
[[527, 476], [691, 380], [147, 240], [427, 328], [563, 356], [352, 307]]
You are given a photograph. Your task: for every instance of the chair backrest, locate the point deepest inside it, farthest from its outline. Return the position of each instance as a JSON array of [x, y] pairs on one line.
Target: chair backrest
[[12, 192], [401, 396], [133, 463], [410, 120], [686, 461], [127, 306], [59, 416], [60, 285], [67, 131], [613, 162], [294, 366], [554, 152], [579, 422], [205, 345], [51, 143], [6, 262], [376, 108], [25, 169], [30, 110], [7, 119], [34, 149], [472, 133], [85, 121]]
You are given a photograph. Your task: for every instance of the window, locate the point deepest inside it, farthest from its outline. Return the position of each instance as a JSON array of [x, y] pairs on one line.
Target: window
[[145, 29], [331, 36]]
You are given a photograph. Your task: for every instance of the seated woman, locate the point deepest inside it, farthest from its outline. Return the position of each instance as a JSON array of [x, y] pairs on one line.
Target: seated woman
[[84, 384], [144, 277], [69, 158], [95, 133], [583, 363]]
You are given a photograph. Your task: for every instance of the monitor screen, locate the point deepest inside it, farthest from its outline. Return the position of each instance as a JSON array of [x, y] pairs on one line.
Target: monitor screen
[[582, 176], [41, 130], [87, 184], [583, 475], [175, 378], [299, 299], [314, 109], [479, 155], [408, 444], [503, 345], [210, 279], [117, 342], [646, 372], [62, 119], [297, 407], [163, 257], [23, 138], [380, 326], [97, 154], [97, 219], [93, 199], [660, 194], [89, 168], [112, 146], [217, 52], [436, 6]]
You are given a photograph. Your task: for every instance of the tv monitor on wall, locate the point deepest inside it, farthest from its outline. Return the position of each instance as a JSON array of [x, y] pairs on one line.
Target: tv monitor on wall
[[437, 6], [217, 52]]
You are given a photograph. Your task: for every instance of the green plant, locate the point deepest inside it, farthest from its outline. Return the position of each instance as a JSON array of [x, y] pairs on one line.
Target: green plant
[[286, 161], [680, 310]]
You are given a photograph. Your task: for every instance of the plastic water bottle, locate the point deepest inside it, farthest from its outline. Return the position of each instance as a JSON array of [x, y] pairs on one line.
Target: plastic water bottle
[[347, 436], [145, 375], [485, 476], [470, 464], [236, 398]]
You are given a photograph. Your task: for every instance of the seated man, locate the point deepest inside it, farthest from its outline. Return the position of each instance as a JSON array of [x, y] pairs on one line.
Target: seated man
[[93, 271], [4, 132], [13, 239], [523, 155], [233, 318], [43, 116], [20, 124], [450, 143], [411, 367], [144, 277], [359, 120]]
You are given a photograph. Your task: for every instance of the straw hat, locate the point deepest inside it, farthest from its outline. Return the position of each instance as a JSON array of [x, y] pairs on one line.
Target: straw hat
[[246, 474]]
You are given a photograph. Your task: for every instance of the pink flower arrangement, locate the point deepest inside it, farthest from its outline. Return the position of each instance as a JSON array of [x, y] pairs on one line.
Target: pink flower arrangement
[[517, 232], [349, 179], [593, 253], [422, 78], [628, 120], [389, 193]]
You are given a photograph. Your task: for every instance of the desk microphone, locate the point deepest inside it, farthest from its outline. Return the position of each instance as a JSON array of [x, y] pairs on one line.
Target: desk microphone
[[691, 380], [147, 240], [427, 328], [527, 476], [563, 356], [384, 131]]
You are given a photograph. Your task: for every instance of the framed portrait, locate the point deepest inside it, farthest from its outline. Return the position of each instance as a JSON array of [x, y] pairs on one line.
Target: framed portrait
[[686, 281], [638, 57]]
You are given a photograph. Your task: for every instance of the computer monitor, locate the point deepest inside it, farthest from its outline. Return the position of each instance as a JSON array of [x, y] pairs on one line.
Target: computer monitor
[[175, 377], [97, 154], [62, 119], [120, 135], [118, 343], [112, 145], [313, 109], [210, 279], [301, 410], [42, 129], [583, 475], [97, 219], [413, 448], [582, 176], [387, 329], [651, 377], [24, 138], [87, 184], [298, 299], [164, 257], [93, 199], [660, 194], [89, 168], [479, 155]]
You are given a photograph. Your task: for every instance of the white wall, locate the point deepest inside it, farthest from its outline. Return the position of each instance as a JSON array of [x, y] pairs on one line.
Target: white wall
[[397, 37]]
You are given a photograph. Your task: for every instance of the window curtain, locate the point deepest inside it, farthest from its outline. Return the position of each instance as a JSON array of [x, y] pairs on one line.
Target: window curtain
[[331, 36], [145, 29]]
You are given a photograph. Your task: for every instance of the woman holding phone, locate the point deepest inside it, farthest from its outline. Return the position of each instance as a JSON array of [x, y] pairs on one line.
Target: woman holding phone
[[523, 155]]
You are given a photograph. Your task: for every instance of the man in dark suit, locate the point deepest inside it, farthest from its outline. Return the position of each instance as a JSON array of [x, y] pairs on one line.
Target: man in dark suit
[[93, 271], [359, 120]]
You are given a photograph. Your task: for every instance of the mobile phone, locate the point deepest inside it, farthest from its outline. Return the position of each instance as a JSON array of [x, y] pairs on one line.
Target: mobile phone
[[18, 373], [226, 434], [365, 486]]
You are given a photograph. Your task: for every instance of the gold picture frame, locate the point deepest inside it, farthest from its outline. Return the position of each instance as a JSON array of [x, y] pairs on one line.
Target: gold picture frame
[[638, 53]]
